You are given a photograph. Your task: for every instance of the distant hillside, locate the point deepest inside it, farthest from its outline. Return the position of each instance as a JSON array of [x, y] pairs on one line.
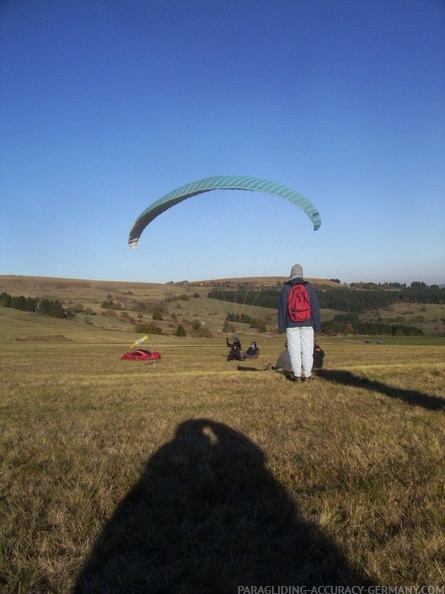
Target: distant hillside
[[60, 288], [168, 305]]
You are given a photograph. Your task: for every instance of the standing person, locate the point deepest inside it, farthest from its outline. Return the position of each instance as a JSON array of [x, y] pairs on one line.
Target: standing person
[[299, 317]]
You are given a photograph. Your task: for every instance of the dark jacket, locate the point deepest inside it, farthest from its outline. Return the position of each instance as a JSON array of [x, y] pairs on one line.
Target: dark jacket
[[284, 320], [252, 351], [235, 350]]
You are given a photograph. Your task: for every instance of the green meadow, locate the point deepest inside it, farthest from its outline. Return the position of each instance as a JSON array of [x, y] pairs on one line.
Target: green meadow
[[192, 474]]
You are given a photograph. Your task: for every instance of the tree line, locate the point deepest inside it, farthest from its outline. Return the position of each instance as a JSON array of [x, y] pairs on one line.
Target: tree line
[[341, 298], [48, 307], [351, 324]]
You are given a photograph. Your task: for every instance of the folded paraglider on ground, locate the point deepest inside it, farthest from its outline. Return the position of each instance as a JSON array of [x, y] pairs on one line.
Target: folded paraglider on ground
[[141, 355]]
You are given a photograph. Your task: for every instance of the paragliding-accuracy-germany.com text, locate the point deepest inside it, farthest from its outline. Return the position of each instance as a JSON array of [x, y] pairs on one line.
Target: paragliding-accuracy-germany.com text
[[341, 590]]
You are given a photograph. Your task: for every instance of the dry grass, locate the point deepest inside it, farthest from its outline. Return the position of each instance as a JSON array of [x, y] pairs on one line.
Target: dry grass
[[196, 475]]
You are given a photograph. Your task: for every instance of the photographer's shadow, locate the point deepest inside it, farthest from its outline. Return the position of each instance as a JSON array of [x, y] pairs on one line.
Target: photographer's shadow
[[207, 516]]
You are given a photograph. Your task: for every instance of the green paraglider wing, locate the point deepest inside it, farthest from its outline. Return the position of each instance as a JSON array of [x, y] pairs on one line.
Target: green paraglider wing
[[224, 182]]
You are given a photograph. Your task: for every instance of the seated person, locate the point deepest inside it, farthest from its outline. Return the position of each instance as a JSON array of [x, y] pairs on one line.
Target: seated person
[[283, 362], [318, 357], [252, 352]]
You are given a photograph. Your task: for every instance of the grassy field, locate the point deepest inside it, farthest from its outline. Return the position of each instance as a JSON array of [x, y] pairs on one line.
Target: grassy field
[[198, 475]]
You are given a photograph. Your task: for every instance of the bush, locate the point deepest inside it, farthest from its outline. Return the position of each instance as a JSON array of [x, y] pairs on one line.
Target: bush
[[180, 331], [228, 327], [200, 330], [110, 304], [258, 324]]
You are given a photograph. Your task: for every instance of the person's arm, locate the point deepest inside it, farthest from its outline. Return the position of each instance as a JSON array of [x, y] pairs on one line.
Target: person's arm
[[315, 309], [282, 310]]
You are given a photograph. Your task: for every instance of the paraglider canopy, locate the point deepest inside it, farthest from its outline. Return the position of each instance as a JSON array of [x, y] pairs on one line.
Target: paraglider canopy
[[225, 182]]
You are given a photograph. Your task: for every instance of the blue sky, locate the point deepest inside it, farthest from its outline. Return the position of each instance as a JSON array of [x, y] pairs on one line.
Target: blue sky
[[107, 105]]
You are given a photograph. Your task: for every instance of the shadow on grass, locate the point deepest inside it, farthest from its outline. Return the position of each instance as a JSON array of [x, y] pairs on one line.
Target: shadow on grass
[[414, 397], [248, 368], [207, 517]]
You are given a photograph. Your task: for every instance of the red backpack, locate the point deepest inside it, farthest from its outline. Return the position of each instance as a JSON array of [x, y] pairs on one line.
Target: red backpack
[[299, 304]]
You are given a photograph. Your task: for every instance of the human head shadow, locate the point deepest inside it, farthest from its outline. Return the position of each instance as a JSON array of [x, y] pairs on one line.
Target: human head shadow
[[413, 397], [208, 516]]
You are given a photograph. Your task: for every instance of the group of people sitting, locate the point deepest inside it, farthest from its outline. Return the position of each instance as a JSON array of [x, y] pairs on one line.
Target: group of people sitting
[[283, 362], [236, 351]]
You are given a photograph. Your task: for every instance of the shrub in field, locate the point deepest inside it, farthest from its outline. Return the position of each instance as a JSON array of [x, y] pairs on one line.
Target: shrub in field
[[200, 330], [110, 304]]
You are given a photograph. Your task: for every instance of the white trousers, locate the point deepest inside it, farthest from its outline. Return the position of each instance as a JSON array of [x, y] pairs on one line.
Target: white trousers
[[300, 344]]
